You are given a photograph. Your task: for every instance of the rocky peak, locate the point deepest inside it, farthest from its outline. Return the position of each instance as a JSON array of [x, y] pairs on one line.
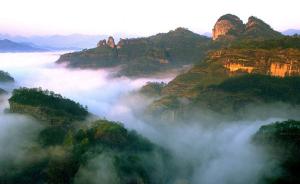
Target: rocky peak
[[101, 43], [257, 28], [122, 42], [111, 42], [254, 22], [228, 26]]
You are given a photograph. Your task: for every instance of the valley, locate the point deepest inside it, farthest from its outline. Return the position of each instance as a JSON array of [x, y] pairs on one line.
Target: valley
[[172, 108]]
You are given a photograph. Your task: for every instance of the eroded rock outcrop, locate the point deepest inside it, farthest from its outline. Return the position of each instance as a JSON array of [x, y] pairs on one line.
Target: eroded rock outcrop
[[111, 42], [230, 27], [280, 63], [101, 43]]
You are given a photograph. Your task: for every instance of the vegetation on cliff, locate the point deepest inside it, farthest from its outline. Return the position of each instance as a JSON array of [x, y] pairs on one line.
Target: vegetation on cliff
[[5, 77], [279, 43], [46, 105], [281, 141], [153, 88], [230, 96]]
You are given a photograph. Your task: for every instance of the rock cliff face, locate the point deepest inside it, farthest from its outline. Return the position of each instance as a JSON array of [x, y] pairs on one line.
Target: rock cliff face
[[111, 42], [101, 43], [230, 27], [226, 63], [280, 63]]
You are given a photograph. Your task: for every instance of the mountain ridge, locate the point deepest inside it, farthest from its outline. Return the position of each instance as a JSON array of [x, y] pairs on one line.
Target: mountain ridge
[[145, 55], [10, 46], [230, 27]]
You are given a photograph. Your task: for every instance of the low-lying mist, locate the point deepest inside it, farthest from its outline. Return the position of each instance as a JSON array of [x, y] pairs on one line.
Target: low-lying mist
[[201, 154]]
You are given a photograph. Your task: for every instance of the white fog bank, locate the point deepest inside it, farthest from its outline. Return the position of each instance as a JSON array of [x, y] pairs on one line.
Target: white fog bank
[[222, 154]]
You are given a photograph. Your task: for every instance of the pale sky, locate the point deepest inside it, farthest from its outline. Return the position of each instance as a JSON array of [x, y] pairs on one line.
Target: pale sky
[[137, 17]]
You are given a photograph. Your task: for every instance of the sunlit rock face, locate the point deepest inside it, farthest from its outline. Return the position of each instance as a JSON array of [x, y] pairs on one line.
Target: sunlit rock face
[[111, 42], [228, 26], [276, 69], [286, 69], [279, 63], [233, 67]]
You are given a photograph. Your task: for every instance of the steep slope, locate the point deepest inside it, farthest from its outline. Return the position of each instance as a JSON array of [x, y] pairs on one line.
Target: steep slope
[[258, 29], [141, 56], [227, 63], [199, 88], [232, 99]]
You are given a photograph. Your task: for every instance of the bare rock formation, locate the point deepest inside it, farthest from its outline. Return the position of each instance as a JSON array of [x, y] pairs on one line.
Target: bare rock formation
[[101, 43], [111, 42], [228, 26]]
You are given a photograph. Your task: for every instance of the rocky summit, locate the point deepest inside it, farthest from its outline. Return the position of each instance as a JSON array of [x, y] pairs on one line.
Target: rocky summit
[[110, 43], [230, 27]]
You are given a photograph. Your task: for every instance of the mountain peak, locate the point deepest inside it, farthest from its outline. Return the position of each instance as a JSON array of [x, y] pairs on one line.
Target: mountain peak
[[230, 17], [110, 42], [181, 29], [257, 28], [230, 27]]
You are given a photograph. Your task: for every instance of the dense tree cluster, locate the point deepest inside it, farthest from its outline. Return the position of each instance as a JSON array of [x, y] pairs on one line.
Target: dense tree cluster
[[265, 87], [278, 43], [282, 142], [48, 105], [132, 157]]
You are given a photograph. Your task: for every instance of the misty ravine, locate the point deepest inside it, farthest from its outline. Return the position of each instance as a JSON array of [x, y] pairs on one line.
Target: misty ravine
[[201, 154]]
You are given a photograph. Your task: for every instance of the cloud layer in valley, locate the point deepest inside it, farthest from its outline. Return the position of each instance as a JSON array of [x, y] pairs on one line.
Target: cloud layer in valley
[[201, 154]]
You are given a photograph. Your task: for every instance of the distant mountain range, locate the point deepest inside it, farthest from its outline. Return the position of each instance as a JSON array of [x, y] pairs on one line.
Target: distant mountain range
[[61, 42], [10, 46], [291, 32]]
